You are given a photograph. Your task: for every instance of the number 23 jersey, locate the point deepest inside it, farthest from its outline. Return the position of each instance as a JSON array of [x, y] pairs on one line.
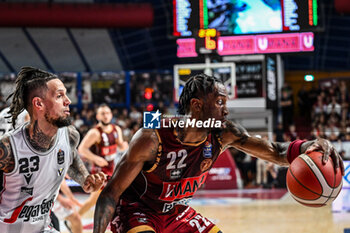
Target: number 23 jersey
[[28, 192]]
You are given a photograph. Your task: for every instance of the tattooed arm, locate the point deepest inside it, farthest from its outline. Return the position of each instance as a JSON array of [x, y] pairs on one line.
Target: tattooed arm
[[236, 136], [142, 150], [7, 160], [78, 171]]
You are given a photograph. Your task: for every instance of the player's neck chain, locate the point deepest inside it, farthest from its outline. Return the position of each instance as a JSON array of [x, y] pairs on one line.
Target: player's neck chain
[[39, 141]]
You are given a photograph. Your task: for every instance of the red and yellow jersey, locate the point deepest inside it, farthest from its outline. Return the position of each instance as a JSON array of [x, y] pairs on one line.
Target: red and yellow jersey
[[179, 171]]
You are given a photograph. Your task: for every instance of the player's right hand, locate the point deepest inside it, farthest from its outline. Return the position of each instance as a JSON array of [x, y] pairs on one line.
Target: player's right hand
[[101, 162], [328, 151]]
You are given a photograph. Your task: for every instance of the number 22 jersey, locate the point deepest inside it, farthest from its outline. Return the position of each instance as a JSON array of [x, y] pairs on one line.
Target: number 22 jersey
[[180, 169]]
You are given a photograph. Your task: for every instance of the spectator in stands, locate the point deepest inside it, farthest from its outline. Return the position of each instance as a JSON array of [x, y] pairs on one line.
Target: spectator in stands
[[287, 108], [303, 102], [135, 115], [319, 107], [78, 122], [333, 107], [332, 131], [344, 103], [278, 133], [292, 134]]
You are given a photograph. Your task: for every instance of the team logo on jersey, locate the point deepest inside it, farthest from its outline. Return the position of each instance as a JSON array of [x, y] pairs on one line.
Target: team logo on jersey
[[175, 174], [28, 177], [151, 120], [60, 156], [60, 171], [27, 190], [206, 164], [207, 150]]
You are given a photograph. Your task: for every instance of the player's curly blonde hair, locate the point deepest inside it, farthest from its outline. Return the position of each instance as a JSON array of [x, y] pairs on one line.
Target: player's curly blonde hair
[[30, 83]]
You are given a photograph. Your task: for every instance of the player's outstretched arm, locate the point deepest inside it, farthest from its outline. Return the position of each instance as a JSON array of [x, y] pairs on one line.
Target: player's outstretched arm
[[77, 171], [7, 161], [142, 150], [236, 136]]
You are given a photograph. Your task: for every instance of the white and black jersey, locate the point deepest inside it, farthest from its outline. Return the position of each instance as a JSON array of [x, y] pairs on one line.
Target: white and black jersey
[[28, 192]]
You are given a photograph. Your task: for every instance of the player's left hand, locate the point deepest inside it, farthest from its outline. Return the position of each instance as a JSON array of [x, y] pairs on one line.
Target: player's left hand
[[94, 182], [328, 151]]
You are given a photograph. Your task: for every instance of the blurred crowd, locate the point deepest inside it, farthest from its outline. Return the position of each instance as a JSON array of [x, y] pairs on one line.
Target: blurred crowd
[[320, 112], [323, 112]]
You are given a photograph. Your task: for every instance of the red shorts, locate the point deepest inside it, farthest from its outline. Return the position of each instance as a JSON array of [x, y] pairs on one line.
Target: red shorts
[[133, 219]]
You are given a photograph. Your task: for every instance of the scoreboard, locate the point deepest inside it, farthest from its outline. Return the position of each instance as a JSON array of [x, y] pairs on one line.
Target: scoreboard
[[240, 17]]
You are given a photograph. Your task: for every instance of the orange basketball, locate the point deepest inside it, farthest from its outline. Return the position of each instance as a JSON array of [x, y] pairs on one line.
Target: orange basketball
[[312, 183]]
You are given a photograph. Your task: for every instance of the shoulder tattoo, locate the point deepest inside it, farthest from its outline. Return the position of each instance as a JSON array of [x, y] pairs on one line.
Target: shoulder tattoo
[[74, 136], [7, 161], [155, 144]]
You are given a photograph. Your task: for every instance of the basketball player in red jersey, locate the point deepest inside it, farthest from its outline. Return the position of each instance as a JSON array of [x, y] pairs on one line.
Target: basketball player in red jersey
[[99, 146], [163, 168]]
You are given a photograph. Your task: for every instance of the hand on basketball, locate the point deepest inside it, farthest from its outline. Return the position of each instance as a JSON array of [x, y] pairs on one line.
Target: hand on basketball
[[94, 182], [328, 150]]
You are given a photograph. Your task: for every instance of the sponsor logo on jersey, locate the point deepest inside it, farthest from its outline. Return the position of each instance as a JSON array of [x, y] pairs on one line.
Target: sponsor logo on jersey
[[182, 189], [109, 150], [175, 174], [27, 190], [168, 206], [60, 171], [33, 211], [207, 150], [28, 177], [60, 156]]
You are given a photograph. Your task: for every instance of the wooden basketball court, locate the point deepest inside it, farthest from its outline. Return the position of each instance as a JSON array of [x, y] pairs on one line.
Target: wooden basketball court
[[257, 211]]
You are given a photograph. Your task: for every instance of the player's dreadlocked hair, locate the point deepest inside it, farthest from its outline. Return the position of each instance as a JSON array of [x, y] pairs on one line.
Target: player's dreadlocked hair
[[197, 86], [30, 83]]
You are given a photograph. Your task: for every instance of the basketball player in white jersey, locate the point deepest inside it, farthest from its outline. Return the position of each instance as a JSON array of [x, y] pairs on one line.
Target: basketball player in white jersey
[[35, 157], [64, 206]]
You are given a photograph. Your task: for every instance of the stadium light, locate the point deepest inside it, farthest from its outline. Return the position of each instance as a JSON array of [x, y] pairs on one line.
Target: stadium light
[[309, 78]]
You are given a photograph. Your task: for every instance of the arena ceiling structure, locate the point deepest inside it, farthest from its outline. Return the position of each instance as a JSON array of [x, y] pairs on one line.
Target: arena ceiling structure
[[147, 47]]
